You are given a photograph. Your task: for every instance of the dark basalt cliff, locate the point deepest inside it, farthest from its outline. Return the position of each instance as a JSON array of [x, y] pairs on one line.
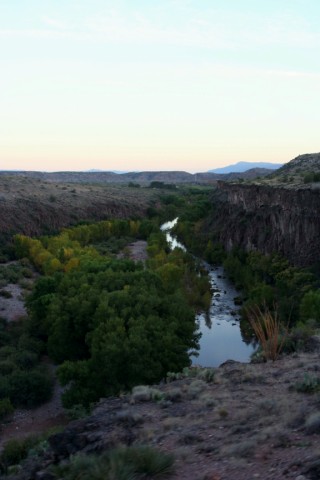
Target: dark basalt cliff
[[269, 219]]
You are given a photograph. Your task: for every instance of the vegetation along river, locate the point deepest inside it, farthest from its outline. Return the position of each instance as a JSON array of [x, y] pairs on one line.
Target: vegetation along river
[[221, 335]]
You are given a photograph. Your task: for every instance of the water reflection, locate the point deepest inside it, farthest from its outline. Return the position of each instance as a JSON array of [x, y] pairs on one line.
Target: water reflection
[[223, 336], [172, 241]]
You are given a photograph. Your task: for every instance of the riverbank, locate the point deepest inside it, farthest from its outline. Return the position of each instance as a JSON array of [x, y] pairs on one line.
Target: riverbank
[[252, 421], [221, 336]]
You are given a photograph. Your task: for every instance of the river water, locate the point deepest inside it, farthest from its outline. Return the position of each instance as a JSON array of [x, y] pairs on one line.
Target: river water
[[221, 335]]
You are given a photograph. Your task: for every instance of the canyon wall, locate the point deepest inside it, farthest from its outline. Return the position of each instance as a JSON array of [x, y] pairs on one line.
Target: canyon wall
[[269, 219]]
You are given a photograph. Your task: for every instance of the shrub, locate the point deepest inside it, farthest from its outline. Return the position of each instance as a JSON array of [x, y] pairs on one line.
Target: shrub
[[30, 388], [196, 387], [174, 394], [24, 359], [7, 367], [6, 351], [312, 424], [243, 449], [207, 374], [6, 408], [31, 344], [127, 463], [76, 412], [143, 393], [14, 451], [309, 384], [5, 294], [5, 388], [269, 331]]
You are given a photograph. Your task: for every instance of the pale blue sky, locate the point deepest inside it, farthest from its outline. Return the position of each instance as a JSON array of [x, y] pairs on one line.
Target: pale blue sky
[[150, 85]]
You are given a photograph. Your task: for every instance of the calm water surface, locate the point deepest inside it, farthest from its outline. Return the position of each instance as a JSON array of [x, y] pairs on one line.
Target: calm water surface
[[221, 337]]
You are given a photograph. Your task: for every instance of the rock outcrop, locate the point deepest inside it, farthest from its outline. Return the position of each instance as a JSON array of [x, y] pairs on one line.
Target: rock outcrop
[[269, 219]]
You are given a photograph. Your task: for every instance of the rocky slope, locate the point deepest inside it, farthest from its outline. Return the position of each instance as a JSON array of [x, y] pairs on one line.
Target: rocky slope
[[33, 206], [268, 219], [239, 421], [302, 172]]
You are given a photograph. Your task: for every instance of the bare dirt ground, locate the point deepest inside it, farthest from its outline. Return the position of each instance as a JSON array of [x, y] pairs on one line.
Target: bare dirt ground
[[249, 422], [138, 251], [25, 422], [13, 309]]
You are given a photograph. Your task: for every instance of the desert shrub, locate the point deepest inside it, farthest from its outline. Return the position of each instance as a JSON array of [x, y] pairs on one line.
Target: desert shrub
[[312, 424], [206, 374], [172, 376], [309, 384], [143, 393], [266, 407], [243, 449], [129, 418], [208, 400], [300, 337], [5, 408], [16, 450], [174, 394], [122, 464], [196, 387], [223, 412]]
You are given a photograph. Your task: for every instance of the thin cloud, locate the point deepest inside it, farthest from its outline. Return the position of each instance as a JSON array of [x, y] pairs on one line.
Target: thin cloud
[[213, 29]]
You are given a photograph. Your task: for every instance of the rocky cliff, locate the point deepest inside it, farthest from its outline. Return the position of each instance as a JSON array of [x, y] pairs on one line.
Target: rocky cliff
[[269, 219]]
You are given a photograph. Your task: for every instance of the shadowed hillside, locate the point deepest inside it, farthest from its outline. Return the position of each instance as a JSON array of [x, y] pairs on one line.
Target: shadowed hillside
[[32, 206]]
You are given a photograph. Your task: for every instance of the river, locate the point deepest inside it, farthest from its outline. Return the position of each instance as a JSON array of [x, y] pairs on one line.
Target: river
[[221, 337]]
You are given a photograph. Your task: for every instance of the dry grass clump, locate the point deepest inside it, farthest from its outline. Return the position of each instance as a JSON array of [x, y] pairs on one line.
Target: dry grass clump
[[196, 387], [143, 393], [242, 449], [312, 424], [266, 407], [174, 394], [207, 400], [269, 331]]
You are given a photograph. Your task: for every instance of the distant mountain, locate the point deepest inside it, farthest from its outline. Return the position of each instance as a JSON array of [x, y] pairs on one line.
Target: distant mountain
[[244, 166], [97, 170]]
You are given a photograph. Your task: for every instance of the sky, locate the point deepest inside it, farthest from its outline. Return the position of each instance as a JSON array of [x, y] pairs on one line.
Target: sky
[[157, 84]]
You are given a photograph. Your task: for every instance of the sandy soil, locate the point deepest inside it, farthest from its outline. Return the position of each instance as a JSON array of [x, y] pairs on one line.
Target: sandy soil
[[13, 309], [138, 250]]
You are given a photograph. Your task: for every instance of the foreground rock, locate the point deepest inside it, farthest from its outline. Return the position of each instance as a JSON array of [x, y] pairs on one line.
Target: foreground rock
[[240, 421]]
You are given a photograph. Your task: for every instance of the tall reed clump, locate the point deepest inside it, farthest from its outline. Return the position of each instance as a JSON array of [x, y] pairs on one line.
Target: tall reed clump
[[270, 332]]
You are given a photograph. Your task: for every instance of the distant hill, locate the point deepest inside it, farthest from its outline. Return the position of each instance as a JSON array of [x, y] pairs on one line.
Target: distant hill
[[244, 166], [141, 178]]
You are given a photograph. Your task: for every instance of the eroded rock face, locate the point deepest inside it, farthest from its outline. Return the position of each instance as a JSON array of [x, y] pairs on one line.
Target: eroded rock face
[[270, 220]]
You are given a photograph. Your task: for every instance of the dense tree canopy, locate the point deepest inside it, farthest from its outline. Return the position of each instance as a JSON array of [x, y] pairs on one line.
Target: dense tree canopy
[[111, 323]]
